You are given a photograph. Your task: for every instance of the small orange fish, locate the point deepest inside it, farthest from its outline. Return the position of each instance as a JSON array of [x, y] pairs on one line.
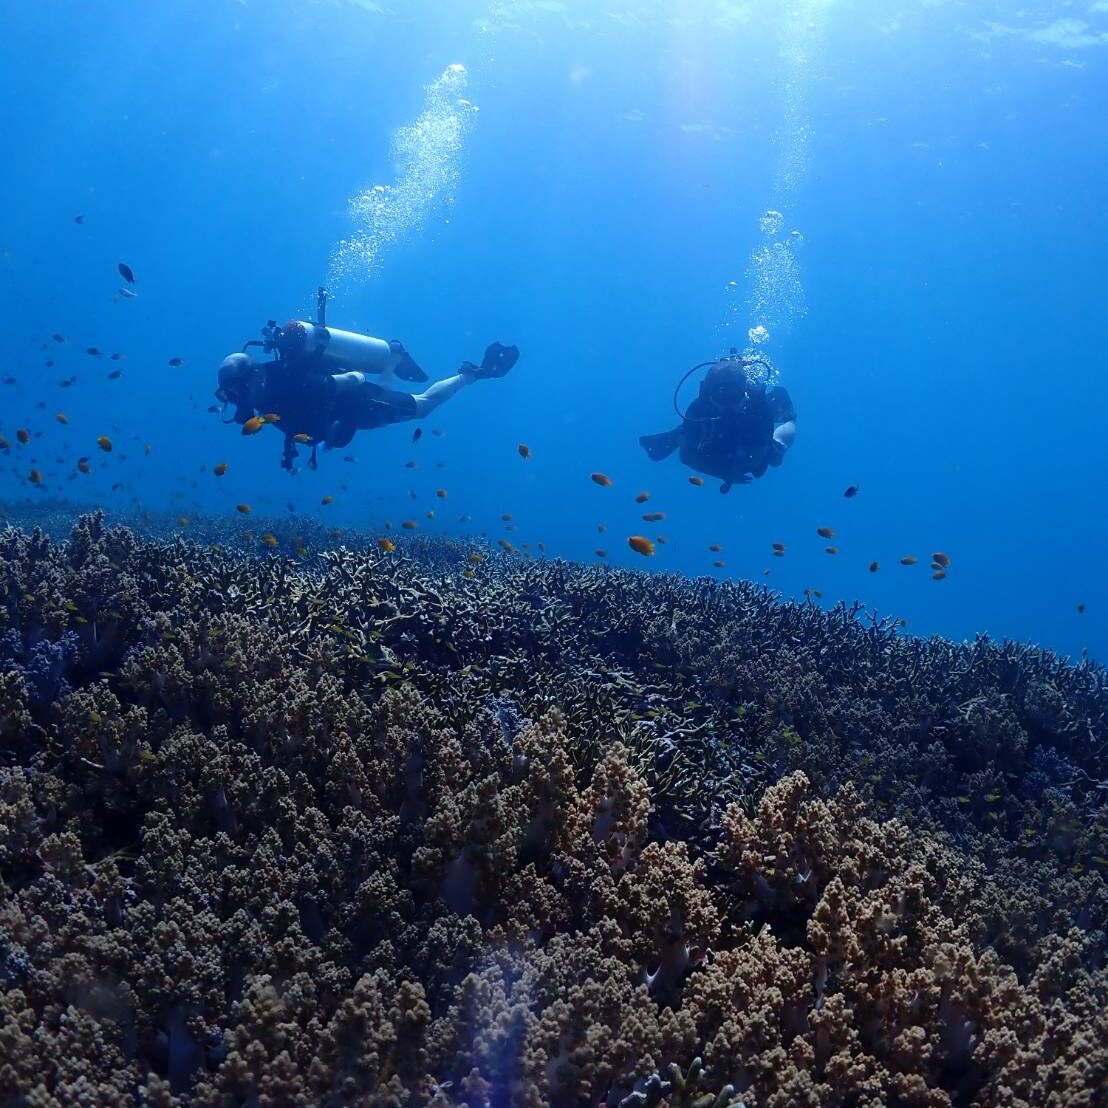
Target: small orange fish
[[825, 532], [874, 567], [35, 477], [938, 575], [715, 548], [104, 443], [641, 545], [909, 560], [61, 417], [328, 500], [220, 469], [253, 425], [244, 508], [301, 436], [642, 498], [183, 521], [524, 451], [476, 558], [387, 546], [441, 493], [409, 525], [602, 553], [698, 481], [831, 549], [653, 517], [271, 417], [23, 435], [505, 545], [83, 466], [602, 479], [942, 559], [270, 539]]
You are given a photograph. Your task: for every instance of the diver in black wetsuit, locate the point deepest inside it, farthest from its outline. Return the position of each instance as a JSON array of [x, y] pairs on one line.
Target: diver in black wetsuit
[[318, 387], [734, 430]]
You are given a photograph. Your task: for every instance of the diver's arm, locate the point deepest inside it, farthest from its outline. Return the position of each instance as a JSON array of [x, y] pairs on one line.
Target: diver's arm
[[784, 424]]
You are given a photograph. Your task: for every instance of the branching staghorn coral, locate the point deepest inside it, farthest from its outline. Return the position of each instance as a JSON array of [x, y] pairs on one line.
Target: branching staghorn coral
[[368, 830]]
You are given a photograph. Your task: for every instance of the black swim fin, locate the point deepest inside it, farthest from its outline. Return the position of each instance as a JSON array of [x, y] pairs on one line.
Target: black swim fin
[[406, 368], [497, 361], [661, 446]]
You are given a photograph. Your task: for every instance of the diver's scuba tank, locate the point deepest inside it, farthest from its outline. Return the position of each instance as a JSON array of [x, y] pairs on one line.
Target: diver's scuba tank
[[345, 349]]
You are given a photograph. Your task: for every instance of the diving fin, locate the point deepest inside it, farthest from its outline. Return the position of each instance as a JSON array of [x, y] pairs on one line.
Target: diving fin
[[406, 368], [661, 446]]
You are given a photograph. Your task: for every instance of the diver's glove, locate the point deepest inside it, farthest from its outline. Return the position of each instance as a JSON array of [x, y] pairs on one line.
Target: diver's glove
[[496, 362]]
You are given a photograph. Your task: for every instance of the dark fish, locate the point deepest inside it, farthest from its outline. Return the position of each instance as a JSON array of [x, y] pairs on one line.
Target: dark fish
[[9, 380], [78, 219], [127, 294], [213, 407], [117, 357], [349, 458], [416, 434], [93, 351], [176, 361], [126, 272], [115, 375], [57, 336], [851, 490]]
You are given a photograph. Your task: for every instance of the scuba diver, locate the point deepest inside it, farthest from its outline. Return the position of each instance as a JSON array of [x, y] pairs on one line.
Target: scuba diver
[[316, 387], [735, 428]]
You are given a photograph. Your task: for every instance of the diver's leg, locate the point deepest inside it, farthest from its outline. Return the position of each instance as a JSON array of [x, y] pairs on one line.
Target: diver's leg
[[426, 402]]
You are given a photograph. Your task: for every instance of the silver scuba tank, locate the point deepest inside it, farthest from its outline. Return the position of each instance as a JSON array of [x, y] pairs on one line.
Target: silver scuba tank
[[345, 348]]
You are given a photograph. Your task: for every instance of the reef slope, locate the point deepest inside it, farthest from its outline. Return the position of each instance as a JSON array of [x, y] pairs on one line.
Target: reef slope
[[415, 829]]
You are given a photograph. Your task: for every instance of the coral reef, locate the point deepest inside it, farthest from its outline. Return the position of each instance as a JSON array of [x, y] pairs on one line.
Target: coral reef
[[356, 828]]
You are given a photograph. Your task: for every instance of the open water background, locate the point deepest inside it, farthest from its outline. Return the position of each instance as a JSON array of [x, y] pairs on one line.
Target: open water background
[[942, 333]]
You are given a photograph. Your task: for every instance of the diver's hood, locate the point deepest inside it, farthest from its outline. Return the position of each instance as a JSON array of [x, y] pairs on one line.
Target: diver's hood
[[727, 377]]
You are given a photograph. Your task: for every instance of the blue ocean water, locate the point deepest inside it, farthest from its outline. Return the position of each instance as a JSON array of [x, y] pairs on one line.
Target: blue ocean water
[[938, 317]]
